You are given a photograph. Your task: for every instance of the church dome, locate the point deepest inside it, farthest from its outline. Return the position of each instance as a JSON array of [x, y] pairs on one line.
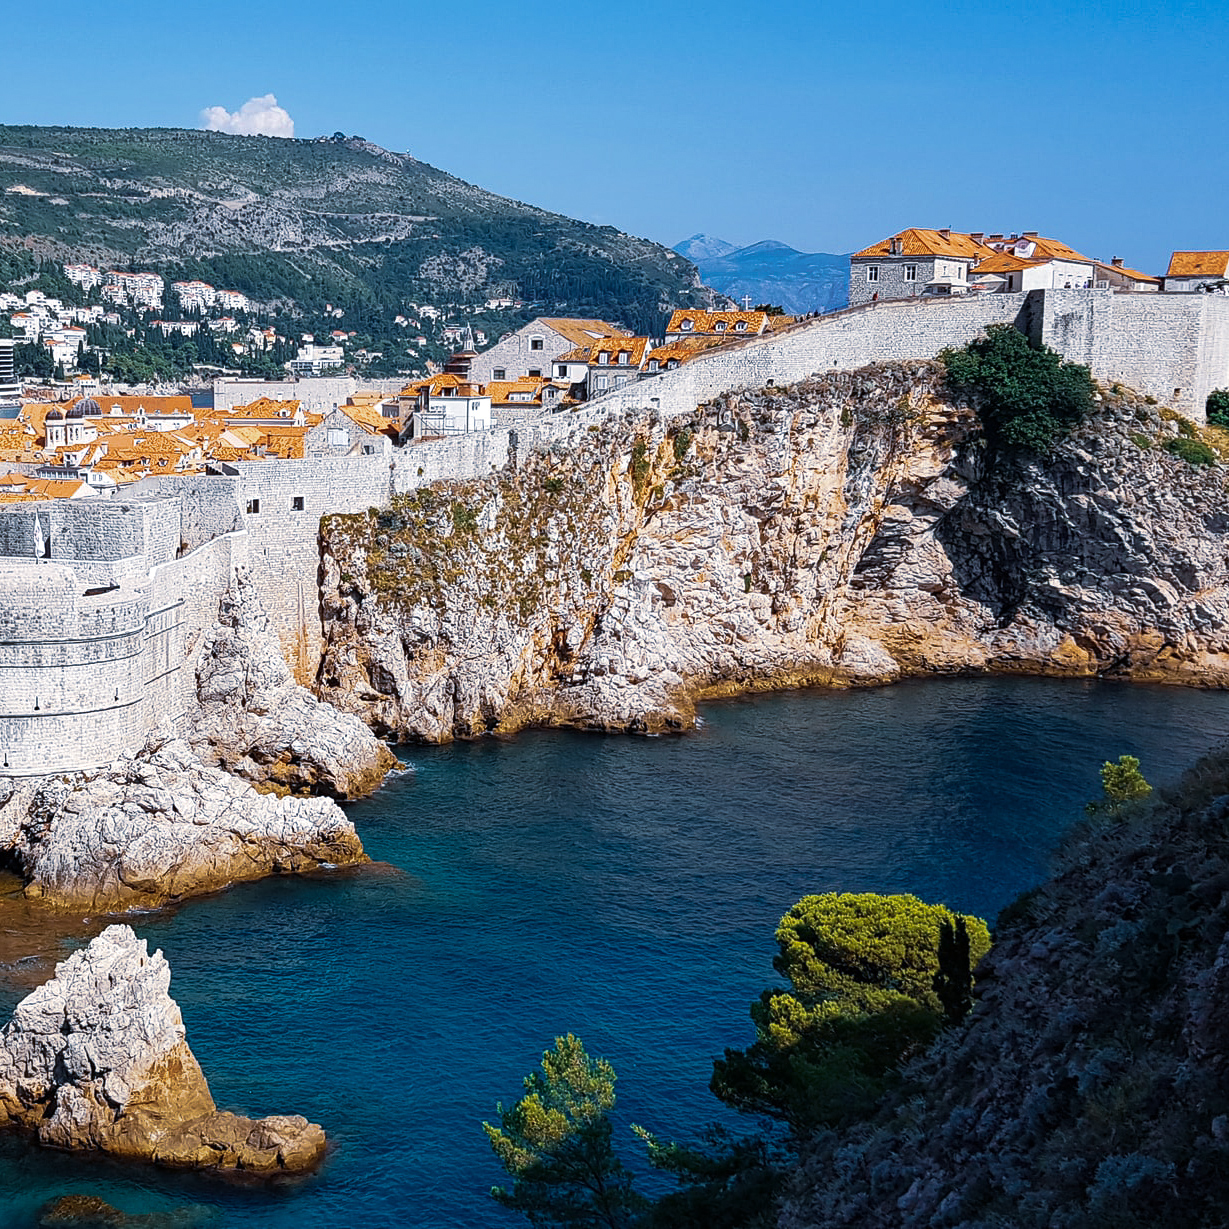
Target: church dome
[[75, 411], [54, 416], [89, 408]]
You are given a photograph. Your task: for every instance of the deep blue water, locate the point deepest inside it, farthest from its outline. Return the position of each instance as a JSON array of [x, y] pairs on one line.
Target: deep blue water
[[624, 889]]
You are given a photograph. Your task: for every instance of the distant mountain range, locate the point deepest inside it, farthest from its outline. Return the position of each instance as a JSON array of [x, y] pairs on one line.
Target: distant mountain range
[[770, 272]]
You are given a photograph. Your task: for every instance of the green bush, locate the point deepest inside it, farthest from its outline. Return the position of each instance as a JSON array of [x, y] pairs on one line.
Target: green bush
[[1027, 398], [1140, 440], [1218, 407], [1193, 452]]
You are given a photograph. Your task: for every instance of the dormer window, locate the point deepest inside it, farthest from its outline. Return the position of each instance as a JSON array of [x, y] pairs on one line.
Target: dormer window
[[685, 326], [653, 364], [721, 326], [671, 364], [603, 358], [625, 357], [740, 326]]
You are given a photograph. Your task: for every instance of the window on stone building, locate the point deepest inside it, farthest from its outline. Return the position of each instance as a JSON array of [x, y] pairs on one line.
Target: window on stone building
[[339, 437], [535, 373], [499, 373], [911, 273], [535, 343], [872, 273], [296, 503], [253, 505], [603, 381]]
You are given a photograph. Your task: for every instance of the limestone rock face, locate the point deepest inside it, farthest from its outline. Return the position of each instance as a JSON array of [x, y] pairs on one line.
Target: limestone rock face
[[255, 721], [96, 1059], [849, 529], [160, 825]]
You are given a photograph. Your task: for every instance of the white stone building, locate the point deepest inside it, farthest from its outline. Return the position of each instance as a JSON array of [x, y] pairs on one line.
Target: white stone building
[[1193, 271], [530, 352]]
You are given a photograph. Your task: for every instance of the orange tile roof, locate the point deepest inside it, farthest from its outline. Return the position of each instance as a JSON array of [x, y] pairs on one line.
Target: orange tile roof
[[681, 351], [263, 407], [633, 347], [1198, 264], [1133, 274], [706, 323], [500, 391], [581, 332], [920, 241]]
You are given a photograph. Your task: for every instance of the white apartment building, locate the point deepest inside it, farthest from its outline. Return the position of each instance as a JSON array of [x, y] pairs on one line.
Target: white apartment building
[[134, 289], [313, 360], [85, 276], [195, 295], [232, 301]]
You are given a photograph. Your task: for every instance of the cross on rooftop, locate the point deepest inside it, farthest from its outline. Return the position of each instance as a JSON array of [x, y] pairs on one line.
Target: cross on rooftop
[[746, 302]]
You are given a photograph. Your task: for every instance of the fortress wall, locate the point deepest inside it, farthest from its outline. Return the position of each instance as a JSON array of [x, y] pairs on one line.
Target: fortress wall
[[187, 589], [283, 541], [316, 394], [73, 691], [208, 505], [1171, 347], [456, 456]]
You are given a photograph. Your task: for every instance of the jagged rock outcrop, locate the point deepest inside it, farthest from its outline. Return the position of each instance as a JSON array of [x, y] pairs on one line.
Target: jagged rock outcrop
[[159, 825], [848, 529], [96, 1060], [1090, 1086], [255, 721]]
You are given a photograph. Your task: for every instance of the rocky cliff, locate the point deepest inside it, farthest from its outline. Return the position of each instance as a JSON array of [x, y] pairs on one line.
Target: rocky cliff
[[1089, 1089], [255, 721], [850, 529], [97, 1060]]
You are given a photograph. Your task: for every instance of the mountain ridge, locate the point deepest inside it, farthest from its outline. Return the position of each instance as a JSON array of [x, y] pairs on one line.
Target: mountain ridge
[[315, 221], [770, 271]]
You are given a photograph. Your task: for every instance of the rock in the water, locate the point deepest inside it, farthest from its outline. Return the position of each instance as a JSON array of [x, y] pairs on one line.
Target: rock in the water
[[160, 825], [255, 721], [93, 1212], [96, 1060]]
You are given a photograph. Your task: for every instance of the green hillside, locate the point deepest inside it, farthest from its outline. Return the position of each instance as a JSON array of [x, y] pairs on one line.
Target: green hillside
[[333, 220]]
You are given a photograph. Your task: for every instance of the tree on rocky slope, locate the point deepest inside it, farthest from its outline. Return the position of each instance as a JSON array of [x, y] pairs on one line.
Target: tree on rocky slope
[[865, 994], [1027, 397], [555, 1142]]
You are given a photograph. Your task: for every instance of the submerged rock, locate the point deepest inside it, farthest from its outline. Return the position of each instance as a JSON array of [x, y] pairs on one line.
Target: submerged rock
[[93, 1212], [96, 1060], [160, 825], [255, 721]]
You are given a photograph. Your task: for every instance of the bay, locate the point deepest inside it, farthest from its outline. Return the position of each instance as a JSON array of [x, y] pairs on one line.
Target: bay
[[623, 889]]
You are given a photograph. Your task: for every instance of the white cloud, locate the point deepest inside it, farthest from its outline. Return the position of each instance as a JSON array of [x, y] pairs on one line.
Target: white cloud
[[257, 117]]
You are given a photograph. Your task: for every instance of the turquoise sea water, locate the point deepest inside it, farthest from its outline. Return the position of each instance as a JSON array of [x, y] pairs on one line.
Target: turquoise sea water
[[623, 889]]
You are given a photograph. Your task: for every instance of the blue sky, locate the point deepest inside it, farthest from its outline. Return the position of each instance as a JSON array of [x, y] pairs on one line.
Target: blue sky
[[824, 125]]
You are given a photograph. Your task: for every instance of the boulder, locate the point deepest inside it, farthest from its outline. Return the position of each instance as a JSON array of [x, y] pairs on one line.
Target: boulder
[[93, 1212], [255, 721], [160, 825], [97, 1060]]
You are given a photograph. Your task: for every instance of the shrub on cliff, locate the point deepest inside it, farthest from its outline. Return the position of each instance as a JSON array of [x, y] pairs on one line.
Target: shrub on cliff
[[1193, 452], [1218, 407], [867, 990], [1026, 397]]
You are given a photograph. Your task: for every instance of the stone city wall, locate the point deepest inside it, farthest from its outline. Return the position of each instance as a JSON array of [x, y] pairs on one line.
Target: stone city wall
[[316, 394]]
